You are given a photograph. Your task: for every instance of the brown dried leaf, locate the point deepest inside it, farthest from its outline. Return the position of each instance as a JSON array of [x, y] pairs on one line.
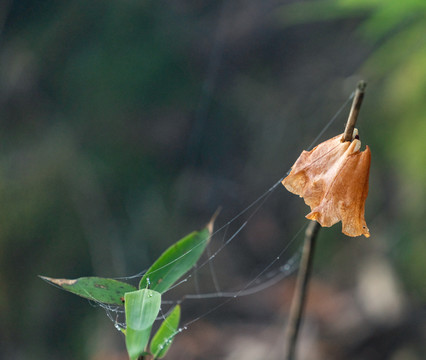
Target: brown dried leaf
[[333, 180]]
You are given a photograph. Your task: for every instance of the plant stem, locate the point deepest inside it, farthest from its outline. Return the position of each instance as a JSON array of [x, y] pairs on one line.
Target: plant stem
[[353, 114], [298, 303], [299, 298]]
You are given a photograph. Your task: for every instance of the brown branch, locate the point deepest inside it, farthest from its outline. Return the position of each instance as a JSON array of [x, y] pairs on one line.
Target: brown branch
[[300, 293], [299, 297], [353, 114]]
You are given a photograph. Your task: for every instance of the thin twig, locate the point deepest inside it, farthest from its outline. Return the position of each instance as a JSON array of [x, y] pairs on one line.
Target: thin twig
[[299, 297], [353, 114]]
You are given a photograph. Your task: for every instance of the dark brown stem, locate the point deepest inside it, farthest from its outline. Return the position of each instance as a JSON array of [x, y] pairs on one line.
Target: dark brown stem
[[299, 297], [353, 114]]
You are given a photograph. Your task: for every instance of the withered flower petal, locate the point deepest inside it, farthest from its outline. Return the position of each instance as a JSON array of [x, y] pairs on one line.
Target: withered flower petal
[[333, 180]]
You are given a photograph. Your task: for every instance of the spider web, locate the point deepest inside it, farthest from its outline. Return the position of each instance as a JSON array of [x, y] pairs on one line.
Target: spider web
[[280, 266], [283, 263]]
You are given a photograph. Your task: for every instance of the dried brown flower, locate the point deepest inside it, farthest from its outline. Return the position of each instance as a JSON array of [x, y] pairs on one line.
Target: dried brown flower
[[333, 180]]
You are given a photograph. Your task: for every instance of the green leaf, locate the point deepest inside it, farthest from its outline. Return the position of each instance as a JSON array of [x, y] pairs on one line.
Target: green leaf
[[162, 340], [107, 291], [176, 261], [136, 340], [141, 308]]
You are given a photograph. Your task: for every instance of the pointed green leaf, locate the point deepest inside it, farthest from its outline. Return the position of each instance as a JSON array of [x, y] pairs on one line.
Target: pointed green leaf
[[141, 308], [176, 261], [107, 291], [162, 340]]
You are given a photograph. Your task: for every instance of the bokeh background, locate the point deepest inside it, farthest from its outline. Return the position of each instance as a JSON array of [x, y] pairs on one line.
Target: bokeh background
[[125, 124]]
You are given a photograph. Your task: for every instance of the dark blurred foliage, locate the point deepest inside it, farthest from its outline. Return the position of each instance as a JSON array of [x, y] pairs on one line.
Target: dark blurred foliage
[[126, 124]]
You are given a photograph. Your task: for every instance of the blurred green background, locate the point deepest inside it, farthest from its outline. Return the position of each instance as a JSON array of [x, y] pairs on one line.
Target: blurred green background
[[125, 124]]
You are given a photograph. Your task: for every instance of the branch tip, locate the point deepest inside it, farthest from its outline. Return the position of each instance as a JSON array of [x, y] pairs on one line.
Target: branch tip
[[353, 114]]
